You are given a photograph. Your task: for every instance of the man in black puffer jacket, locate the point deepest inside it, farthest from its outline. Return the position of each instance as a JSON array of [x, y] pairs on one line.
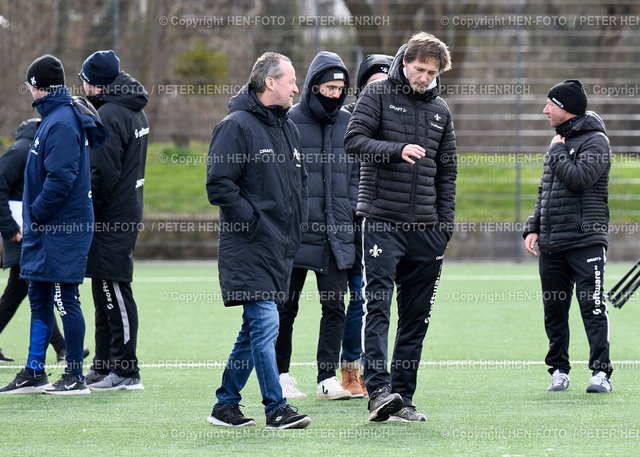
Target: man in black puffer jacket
[[403, 135], [117, 184], [327, 245], [570, 225]]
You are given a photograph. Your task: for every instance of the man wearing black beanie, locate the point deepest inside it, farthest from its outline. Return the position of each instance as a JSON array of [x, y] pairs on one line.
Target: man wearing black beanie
[[117, 184], [58, 222], [570, 225], [327, 247]]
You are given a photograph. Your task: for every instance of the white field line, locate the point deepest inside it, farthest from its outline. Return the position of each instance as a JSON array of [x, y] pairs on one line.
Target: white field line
[[494, 364], [214, 278]]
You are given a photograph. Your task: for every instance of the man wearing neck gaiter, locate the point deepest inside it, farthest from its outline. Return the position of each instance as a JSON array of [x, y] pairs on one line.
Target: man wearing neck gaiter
[[327, 245], [570, 224]]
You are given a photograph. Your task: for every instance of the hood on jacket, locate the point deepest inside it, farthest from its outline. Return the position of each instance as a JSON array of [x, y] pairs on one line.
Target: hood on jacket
[[247, 100], [90, 121], [396, 74], [124, 90], [588, 122], [368, 66], [309, 101], [27, 129], [84, 111]]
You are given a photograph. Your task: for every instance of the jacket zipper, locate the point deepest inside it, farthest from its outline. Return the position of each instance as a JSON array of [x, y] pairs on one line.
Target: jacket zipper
[[286, 235], [416, 165]]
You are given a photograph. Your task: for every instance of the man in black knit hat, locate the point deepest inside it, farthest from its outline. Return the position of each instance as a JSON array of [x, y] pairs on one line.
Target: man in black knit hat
[[570, 225], [117, 184]]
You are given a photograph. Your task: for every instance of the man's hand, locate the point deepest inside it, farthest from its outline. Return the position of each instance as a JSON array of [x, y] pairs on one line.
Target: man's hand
[[557, 139], [530, 243], [412, 150], [17, 238]]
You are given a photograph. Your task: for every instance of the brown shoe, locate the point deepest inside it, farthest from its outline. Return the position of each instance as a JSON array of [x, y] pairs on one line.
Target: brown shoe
[[350, 381], [365, 394]]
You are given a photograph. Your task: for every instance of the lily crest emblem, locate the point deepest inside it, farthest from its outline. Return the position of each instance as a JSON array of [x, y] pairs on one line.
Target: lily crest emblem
[[375, 251], [297, 157]]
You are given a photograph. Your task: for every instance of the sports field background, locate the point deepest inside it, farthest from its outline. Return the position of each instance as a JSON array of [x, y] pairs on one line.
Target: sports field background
[[482, 383]]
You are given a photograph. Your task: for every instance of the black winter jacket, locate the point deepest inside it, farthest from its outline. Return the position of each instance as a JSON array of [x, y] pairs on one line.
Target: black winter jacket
[[333, 175], [117, 178], [572, 210], [12, 165], [388, 116], [256, 176]]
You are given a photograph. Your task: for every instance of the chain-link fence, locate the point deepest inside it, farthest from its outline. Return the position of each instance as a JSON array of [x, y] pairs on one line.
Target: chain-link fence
[[194, 55]]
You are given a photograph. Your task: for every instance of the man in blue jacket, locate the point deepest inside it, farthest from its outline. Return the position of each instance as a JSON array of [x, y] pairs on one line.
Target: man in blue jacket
[[57, 225], [12, 165], [256, 176]]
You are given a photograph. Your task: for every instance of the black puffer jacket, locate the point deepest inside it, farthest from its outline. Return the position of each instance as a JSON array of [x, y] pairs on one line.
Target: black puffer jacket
[[572, 209], [117, 178], [333, 175], [12, 165], [256, 176], [388, 116]]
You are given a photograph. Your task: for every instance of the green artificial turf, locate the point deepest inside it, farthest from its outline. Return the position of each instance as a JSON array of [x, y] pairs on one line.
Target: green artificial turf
[[482, 382]]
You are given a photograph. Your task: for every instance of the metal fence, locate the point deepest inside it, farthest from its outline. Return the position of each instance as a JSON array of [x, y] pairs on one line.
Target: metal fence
[[506, 56]]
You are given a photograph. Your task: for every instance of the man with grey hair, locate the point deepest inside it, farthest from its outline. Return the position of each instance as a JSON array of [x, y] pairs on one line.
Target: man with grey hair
[[256, 176]]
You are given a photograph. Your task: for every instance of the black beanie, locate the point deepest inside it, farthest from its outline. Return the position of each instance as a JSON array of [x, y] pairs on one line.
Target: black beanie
[[100, 68], [378, 68], [331, 74], [569, 95], [46, 72]]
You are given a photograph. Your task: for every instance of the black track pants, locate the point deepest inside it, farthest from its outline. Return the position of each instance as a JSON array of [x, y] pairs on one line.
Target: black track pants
[[583, 267], [413, 260]]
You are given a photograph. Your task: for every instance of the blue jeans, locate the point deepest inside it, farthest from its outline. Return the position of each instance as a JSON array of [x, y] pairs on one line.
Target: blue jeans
[[255, 346], [44, 296], [352, 337]]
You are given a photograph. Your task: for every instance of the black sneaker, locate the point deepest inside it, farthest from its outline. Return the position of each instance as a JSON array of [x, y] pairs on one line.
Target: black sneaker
[[383, 404], [26, 384], [229, 416], [93, 376], [115, 382], [68, 384], [4, 358], [287, 417]]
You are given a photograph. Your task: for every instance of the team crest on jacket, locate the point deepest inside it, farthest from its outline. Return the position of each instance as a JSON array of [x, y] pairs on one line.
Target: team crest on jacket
[[297, 157], [375, 251], [36, 142]]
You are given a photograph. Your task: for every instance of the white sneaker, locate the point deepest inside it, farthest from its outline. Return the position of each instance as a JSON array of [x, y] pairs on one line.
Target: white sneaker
[[599, 383], [559, 382], [330, 389], [289, 389]]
